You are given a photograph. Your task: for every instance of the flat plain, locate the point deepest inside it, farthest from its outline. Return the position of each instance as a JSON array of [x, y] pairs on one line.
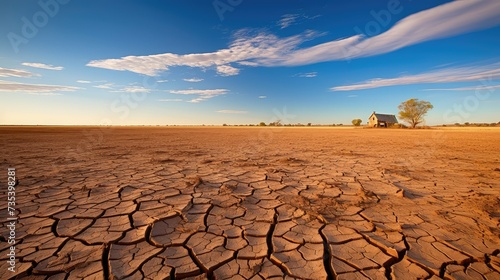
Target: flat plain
[[252, 203]]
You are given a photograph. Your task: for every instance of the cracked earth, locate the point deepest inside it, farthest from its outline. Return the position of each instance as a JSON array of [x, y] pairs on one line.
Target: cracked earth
[[253, 203]]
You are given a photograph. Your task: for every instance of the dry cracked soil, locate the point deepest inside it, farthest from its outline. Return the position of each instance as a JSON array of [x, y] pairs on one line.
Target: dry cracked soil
[[252, 203]]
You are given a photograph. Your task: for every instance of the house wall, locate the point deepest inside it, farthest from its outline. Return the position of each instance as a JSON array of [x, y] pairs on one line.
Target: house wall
[[372, 121]]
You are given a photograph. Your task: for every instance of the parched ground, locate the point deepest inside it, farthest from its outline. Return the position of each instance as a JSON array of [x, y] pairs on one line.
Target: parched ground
[[252, 203]]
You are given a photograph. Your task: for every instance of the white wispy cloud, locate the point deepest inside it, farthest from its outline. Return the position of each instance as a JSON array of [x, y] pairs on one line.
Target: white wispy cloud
[[162, 81], [293, 19], [447, 20], [447, 75], [263, 49], [231, 112], [83, 82], [200, 91], [453, 18], [105, 86], [35, 89], [262, 97], [466, 88], [193, 80], [134, 89], [43, 66], [307, 75], [7, 72], [287, 20], [247, 49], [227, 70], [171, 100], [203, 94]]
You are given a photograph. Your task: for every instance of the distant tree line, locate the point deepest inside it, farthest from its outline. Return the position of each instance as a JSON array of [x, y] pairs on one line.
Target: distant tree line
[[474, 124], [411, 111]]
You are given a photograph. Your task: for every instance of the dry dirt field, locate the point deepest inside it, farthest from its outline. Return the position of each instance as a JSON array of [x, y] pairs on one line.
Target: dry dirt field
[[252, 203]]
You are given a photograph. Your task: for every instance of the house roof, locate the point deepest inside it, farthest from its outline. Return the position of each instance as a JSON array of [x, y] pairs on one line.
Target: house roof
[[386, 118]]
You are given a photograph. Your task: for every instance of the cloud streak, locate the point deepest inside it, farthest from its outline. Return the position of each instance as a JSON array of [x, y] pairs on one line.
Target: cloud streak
[[465, 88], [105, 86], [448, 75], [231, 112], [134, 89], [227, 70], [35, 89], [43, 66], [454, 18], [308, 75], [268, 50], [247, 49], [193, 80], [171, 100], [287, 20], [7, 72], [203, 94]]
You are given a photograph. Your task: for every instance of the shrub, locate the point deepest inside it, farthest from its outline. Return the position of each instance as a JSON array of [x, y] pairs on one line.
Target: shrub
[[399, 125], [357, 122]]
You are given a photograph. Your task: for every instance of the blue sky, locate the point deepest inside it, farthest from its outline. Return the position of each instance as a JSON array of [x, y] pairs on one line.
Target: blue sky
[[242, 61]]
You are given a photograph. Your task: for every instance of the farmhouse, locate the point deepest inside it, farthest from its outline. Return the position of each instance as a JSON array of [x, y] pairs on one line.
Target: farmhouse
[[381, 120]]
